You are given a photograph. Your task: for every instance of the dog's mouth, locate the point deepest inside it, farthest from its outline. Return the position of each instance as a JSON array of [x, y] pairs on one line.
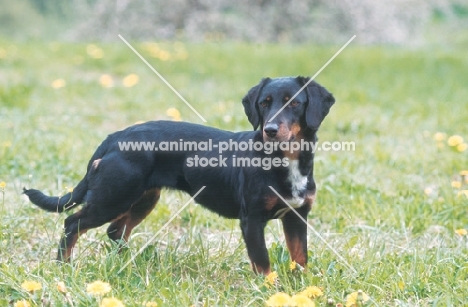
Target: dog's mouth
[[287, 137]]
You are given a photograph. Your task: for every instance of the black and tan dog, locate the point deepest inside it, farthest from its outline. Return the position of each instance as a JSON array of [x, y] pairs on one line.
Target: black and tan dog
[[123, 186]]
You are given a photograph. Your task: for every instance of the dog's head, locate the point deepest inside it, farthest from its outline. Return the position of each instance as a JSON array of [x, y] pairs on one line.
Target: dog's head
[[264, 104]]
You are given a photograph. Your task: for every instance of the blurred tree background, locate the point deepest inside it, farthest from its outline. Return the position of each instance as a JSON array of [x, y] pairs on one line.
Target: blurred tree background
[[409, 22]]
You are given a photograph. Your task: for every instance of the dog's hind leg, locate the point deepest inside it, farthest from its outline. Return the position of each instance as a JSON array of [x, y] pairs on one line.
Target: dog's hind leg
[[99, 210], [121, 228], [76, 225]]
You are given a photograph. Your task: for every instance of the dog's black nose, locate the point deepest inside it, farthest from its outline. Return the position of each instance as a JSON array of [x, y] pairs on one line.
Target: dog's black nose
[[271, 129]]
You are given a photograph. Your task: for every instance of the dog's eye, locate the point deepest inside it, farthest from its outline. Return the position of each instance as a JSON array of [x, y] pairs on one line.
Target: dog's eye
[[264, 104], [294, 103]]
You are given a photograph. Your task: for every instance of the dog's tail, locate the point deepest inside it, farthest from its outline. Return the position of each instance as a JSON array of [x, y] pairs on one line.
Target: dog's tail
[[58, 204]]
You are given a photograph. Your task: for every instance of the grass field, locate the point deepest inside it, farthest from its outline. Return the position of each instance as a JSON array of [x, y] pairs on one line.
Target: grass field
[[394, 209]]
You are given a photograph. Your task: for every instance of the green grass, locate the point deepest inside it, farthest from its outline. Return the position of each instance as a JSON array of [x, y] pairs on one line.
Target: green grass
[[387, 208]]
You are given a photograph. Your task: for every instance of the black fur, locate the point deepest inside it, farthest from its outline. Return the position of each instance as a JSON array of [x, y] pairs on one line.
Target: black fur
[[122, 187]]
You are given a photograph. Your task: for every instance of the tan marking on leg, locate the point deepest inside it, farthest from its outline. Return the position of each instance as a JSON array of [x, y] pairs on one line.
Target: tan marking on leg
[[270, 202], [122, 227], [296, 250], [309, 199], [259, 270]]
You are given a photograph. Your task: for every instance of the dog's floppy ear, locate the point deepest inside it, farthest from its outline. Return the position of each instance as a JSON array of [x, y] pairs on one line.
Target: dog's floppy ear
[[319, 102], [250, 103]]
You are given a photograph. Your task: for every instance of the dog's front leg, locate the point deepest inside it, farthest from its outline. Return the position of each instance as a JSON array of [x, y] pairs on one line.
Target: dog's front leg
[[253, 232], [295, 231]]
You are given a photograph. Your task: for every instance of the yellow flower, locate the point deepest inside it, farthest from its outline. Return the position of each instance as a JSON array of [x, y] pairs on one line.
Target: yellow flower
[[312, 292], [356, 299], [130, 80], [22, 303], [111, 302], [163, 55], [58, 83], [2, 184], [401, 285], [174, 113], [463, 192], [454, 140], [270, 279], [94, 51], [440, 136], [31, 286], [3, 53], [106, 80], [428, 191], [61, 287], [98, 288], [461, 232], [151, 304], [456, 184], [462, 147], [300, 300], [292, 265], [279, 299], [464, 175]]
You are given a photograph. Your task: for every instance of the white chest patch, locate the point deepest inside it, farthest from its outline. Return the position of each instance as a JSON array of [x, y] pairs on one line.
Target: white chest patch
[[299, 183]]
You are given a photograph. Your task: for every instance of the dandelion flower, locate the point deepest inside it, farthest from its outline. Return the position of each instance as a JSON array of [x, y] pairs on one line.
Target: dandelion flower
[[428, 191], [111, 302], [61, 287], [401, 285], [58, 83], [163, 55], [130, 80], [151, 304], [98, 288], [463, 192], [31, 286], [292, 265], [354, 298], [456, 184], [300, 300], [440, 136], [94, 51], [279, 299], [2, 184], [22, 303], [312, 292], [464, 175], [462, 147], [461, 232], [106, 80], [271, 278], [174, 113], [454, 140]]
